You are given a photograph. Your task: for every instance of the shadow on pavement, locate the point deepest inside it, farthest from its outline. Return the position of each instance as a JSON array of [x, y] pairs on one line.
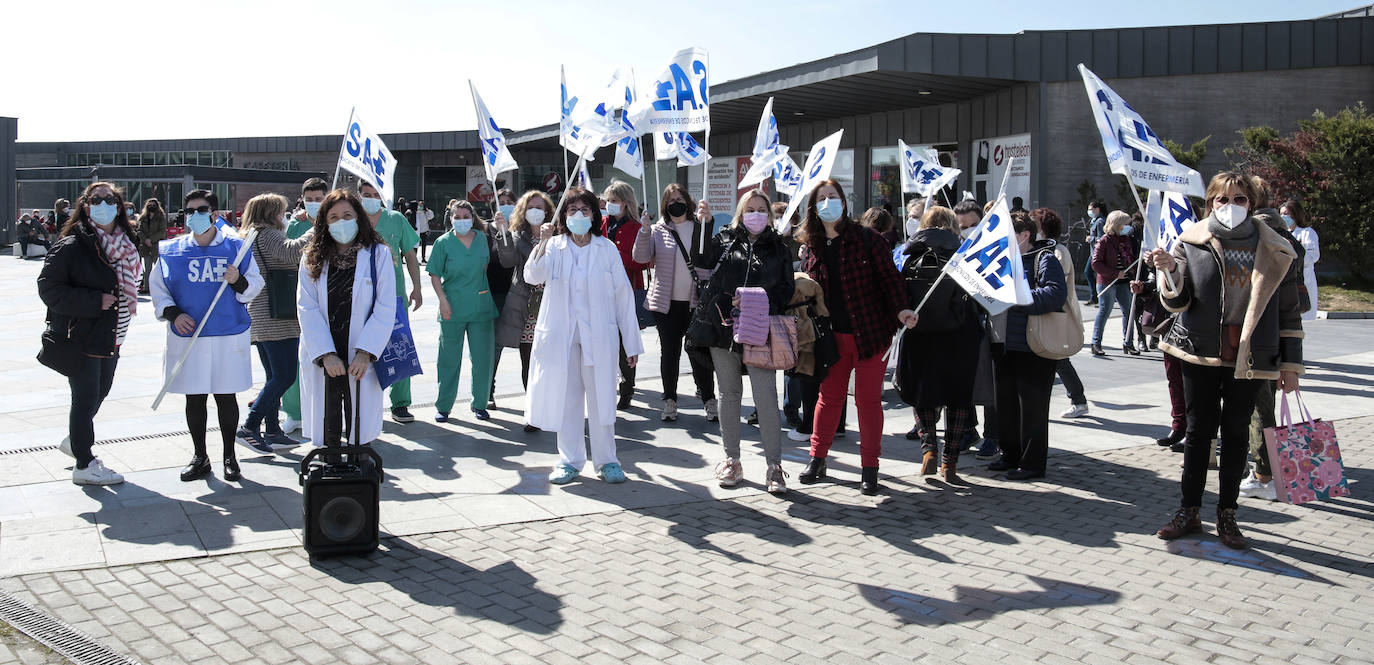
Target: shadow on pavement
[[974, 604]]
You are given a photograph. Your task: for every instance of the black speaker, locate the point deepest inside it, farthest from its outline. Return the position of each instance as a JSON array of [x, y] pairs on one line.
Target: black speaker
[[341, 495]]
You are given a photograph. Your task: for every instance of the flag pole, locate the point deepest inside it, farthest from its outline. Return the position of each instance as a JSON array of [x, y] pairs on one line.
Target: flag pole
[[1140, 263], [335, 183]]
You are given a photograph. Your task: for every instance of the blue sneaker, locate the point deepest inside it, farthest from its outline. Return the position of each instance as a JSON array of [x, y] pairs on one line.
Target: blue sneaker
[[563, 474], [281, 442], [612, 473], [253, 440], [481, 414], [989, 450], [441, 417]]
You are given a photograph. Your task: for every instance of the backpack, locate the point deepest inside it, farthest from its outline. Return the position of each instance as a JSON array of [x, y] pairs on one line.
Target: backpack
[[1055, 335], [947, 309]]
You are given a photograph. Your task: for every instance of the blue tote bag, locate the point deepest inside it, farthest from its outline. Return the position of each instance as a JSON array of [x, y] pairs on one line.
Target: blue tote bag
[[399, 360]]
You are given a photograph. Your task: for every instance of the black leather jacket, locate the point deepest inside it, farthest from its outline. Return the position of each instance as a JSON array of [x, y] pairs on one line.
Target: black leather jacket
[[764, 263], [75, 275]]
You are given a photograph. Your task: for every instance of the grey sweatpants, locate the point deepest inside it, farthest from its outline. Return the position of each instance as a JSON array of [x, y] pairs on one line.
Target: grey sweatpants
[[730, 384]]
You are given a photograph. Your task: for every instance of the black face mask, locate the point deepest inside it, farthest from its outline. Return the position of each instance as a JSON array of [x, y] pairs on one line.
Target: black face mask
[[677, 209]]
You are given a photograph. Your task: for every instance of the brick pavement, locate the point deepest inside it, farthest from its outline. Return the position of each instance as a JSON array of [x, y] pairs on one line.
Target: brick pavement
[[1063, 571]]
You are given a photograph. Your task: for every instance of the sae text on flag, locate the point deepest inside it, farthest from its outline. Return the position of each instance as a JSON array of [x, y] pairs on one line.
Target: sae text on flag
[[988, 264], [817, 169], [768, 149], [364, 155], [678, 97], [681, 145], [787, 176], [1167, 216], [921, 170], [1133, 148], [495, 155], [628, 154]]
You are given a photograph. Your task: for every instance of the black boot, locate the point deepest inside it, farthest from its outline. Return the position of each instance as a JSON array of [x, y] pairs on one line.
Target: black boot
[[198, 468], [868, 485], [231, 469], [1175, 436], [815, 471]]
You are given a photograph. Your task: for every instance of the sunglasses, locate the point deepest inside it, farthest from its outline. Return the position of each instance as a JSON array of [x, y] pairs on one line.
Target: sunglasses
[[108, 198], [1239, 200], [190, 211]]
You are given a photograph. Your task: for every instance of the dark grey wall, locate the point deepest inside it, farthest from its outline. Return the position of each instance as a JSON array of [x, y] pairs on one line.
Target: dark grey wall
[[9, 195]]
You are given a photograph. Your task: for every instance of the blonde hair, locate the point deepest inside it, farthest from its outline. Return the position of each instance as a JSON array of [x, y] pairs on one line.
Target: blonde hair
[[1224, 181], [623, 191], [916, 207], [1116, 220], [517, 221], [738, 222], [939, 217], [263, 210]]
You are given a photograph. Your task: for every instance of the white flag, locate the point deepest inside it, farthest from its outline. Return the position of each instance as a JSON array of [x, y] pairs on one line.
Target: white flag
[[689, 152], [787, 176], [988, 264], [495, 155], [818, 165], [768, 150], [364, 155], [1133, 148], [1167, 216], [583, 178], [628, 155], [921, 170], [678, 97]]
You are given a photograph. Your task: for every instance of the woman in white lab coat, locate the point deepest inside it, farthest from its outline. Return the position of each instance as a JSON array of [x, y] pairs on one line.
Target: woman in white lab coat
[[347, 307], [1300, 225], [587, 313]]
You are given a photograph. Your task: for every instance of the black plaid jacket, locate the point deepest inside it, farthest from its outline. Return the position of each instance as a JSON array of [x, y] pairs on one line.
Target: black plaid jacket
[[873, 289]]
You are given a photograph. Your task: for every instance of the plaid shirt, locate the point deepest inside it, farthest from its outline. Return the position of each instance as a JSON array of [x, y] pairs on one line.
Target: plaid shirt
[[873, 289]]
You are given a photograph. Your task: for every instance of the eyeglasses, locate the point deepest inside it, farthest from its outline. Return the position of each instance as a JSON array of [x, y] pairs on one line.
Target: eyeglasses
[[1239, 200], [190, 211], [108, 198]]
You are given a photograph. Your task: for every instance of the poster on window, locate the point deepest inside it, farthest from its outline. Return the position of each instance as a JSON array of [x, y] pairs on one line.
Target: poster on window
[[991, 157], [721, 178]]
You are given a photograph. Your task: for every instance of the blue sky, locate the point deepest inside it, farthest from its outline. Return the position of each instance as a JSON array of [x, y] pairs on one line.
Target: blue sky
[[161, 69]]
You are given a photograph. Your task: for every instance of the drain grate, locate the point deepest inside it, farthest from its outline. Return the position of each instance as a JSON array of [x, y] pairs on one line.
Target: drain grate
[[73, 644]]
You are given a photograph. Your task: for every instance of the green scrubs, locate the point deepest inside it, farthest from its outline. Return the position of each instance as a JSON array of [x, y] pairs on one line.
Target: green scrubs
[[463, 272], [401, 237], [291, 401]]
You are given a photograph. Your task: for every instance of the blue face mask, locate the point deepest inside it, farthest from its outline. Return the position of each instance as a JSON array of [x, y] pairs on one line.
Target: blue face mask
[[506, 210], [312, 208], [829, 210], [1288, 221], [344, 230], [462, 226], [1126, 230], [199, 222], [372, 206], [104, 213], [579, 223]]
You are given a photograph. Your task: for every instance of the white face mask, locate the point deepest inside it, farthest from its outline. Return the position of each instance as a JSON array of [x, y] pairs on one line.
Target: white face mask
[[968, 232], [912, 225], [613, 209], [1230, 215], [535, 216]]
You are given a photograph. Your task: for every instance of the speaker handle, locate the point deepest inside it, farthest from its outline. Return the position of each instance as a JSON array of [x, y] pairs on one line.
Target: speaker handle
[[336, 450]]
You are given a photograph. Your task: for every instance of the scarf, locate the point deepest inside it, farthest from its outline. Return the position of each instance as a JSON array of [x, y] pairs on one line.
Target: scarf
[[123, 256]]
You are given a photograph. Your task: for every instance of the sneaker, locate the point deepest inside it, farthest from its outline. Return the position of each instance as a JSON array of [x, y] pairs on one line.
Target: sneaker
[[798, 435], [712, 410], [971, 441], [793, 418], [290, 425], [988, 450], [481, 414], [611, 473], [1253, 488], [1075, 411], [531, 428], [401, 415], [669, 410], [66, 446], [776, 479], [251, 439], [491, 403], [96, 473], [441, 417], [753, 418], [562, 474], [914, 434], [729, 472], [280, 442]]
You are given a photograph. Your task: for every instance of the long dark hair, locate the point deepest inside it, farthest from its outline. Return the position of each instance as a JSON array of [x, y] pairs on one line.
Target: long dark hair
[[814, 227], [585, 196], [82, 217], [322, 246], [152, 211], [686, 198]]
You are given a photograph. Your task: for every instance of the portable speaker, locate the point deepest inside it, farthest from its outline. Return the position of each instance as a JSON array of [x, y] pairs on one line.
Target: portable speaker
[[341, 497]]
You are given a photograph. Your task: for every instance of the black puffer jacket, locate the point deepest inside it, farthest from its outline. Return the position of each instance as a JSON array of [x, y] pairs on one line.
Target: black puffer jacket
[[764, 263], [75, 275]]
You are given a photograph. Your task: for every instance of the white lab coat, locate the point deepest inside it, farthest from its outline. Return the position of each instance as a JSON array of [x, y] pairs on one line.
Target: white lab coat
[[369, 334], [1307, 237], [609, 313]]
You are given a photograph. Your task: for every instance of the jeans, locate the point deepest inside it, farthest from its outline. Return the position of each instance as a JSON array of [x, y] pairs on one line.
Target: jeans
[[672, 327], [1024, 381], [1120, 292], [280, 363], [25, 242], [868, 391], [1216, 398], [764, 384], [90, 384], [791, 394], [1069, 377]]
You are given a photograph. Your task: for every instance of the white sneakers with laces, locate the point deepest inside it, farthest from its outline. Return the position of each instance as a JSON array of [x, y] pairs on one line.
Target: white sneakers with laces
[[669, 410], [776, 479], [1253, 488], [1075, 411], [712, 410], [96, 473], [729, 472]]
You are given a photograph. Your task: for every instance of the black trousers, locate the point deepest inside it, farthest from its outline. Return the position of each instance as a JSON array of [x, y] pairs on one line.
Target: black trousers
[[672, 328], [1215, 398], [90, 383], [1024, 381], [1069, 377], [338, 409]]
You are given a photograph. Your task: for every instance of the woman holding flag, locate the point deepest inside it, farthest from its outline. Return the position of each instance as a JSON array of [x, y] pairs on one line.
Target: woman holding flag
[[621, 228], [1113, 258], [515, 327]]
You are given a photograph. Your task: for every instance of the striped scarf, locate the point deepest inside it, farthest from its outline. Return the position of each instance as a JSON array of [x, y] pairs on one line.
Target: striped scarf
[[124, 259]]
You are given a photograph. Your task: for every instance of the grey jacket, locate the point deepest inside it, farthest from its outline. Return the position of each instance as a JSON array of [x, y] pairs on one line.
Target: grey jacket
[[512, 251]]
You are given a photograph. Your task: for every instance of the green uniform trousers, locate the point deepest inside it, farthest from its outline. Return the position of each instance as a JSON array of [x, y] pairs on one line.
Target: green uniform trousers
[[481, 337]]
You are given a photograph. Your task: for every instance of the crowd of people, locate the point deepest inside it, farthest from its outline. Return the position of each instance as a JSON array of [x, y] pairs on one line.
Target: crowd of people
[[818, 298]]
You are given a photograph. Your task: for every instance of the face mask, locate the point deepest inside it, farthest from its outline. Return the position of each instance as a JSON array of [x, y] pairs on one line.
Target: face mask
[[968, 232], [1288, 221], [1126, 230], [312, 208], [677, 209], [579, 223], [462, 226], [506, 210], [128, 212], [535, 216], [1230, 215], [603, 213], [612, 209], [829, 210], [372, 206], [199, 222], [344, 231], [1090, 214], [104, 213], [912, 226], [756, 222]]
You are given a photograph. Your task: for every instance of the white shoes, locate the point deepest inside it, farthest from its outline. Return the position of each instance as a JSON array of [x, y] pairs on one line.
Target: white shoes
[[729, 472], [794, 435], [290, 425], [1255, 489], [96, 473], [66, 446], [1075, 411], [669, 410], [776, 479], [712, 410]]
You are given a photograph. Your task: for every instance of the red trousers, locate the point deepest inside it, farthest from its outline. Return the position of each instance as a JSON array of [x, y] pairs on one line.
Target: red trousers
[[1178, 410], [868, 391]]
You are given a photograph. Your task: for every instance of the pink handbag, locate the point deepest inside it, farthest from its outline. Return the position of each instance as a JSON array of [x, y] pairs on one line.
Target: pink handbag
[[780, 353], [1305, 458]]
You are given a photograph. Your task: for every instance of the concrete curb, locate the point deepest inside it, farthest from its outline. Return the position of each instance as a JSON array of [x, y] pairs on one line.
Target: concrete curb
[[1345, 315]]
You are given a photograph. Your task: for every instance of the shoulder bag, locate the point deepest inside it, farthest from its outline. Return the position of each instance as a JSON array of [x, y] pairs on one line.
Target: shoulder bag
[[1055, 335], [280, 286]]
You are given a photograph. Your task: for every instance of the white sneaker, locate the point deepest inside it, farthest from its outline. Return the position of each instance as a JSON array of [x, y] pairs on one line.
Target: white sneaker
[[669, 410], [66, 446], [794, 435], [95, 473], [290, 425], [729, 472], [1253, 488], [1075, 411], [776, 479], [712, 410]]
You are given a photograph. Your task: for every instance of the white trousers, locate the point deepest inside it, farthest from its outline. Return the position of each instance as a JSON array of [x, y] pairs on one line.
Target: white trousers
[[581, 401]]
